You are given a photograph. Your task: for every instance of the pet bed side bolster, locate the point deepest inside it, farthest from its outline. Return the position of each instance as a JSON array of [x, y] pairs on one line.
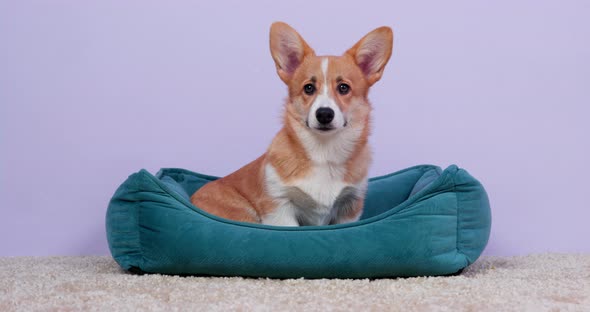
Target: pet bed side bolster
[[122, 222], [473, 216]]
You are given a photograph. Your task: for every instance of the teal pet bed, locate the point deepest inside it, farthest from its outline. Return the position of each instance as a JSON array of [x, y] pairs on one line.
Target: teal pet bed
[[416, 222]]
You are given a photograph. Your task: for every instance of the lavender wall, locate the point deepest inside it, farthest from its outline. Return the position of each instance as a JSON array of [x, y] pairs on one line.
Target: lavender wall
[[92, 91]]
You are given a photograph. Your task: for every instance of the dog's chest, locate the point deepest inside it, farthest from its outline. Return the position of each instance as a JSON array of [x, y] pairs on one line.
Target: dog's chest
[[322, 184]]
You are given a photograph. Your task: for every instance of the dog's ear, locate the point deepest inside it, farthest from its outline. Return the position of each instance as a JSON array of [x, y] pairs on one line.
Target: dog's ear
[[288, 49], [372, 52]]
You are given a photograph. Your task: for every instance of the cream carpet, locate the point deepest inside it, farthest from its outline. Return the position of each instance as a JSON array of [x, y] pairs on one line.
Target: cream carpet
[[548, 282]]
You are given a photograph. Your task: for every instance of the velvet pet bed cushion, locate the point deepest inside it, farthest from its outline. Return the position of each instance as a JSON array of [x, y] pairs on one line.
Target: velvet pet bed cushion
[[416, 222]]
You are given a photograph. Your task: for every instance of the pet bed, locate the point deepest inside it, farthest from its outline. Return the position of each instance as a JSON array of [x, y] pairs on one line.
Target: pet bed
[[416, 222]]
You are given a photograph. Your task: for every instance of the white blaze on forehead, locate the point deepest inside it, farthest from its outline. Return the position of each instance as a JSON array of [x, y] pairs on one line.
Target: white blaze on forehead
[[325, 66], [325, 72]]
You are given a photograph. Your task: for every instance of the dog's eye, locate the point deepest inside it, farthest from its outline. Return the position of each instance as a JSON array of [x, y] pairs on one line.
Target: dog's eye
[[309, 89], [343, 88]]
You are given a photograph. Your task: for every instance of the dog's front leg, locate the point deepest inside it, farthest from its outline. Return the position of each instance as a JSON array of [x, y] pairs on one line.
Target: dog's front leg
[[283, 215], [348, 206]]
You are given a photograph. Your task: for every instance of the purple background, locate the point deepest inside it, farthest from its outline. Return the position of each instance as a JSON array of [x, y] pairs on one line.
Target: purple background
[[93, 91]]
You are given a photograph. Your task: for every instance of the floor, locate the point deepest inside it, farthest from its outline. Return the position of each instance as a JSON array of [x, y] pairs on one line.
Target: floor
[[544, 282]]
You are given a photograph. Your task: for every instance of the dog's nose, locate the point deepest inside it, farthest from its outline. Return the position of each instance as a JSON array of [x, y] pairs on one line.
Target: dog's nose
[[324, 115]]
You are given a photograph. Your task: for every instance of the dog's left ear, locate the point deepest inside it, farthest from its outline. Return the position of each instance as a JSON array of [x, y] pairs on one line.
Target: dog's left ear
[[372, 52], [288, 49]]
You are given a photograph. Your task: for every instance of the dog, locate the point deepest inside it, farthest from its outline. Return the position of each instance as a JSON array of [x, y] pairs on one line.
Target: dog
[[315, 170]]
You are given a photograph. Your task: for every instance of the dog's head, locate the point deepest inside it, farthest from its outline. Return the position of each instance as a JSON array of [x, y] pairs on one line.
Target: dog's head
[[329, 93]]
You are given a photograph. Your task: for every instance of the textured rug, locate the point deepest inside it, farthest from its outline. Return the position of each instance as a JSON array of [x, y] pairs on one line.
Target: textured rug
[[547, 282]]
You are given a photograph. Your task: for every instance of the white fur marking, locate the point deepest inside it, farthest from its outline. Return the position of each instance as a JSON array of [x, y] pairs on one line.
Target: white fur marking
[[325, 67], [325, 72], [285, 213], [323, 184]]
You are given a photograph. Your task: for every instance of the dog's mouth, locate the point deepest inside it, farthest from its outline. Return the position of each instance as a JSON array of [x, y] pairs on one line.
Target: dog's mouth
[[324, 129], [321, 129]]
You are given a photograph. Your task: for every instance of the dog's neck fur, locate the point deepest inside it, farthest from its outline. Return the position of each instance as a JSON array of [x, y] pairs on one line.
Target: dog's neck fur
[[309, 149], [332, 149]]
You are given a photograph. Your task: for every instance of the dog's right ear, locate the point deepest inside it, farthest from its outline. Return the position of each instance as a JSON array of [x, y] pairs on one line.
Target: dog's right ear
[[288, 49]]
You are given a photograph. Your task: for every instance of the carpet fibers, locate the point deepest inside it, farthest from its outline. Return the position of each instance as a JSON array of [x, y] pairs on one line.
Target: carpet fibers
[[546, 282]]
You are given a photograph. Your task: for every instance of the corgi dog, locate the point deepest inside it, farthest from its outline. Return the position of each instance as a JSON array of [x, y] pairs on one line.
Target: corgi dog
[[315, 170]]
